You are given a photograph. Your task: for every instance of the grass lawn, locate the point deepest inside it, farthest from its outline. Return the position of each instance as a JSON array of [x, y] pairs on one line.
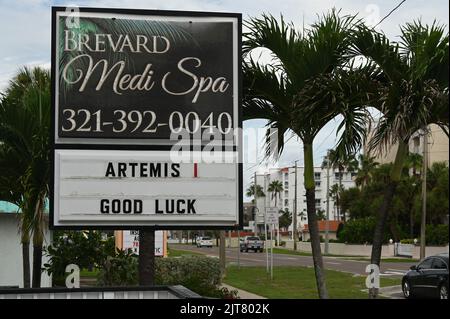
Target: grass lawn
[[286, 251], [89, 274], [179, 252], [299, 282], [387, 260]]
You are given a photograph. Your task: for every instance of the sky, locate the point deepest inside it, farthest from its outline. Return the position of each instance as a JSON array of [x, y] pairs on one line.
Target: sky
[[26, 26]]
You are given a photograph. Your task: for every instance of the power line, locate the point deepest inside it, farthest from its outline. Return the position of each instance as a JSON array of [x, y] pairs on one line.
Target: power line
[[398, 6]]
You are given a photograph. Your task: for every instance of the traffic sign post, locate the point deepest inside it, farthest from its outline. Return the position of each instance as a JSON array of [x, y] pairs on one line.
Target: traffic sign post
[[271, 220]]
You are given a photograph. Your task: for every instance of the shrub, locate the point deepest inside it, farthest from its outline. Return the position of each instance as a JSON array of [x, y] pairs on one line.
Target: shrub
[[86, 249], [437, 235], [197, 273], [200, 274], [360, 231], [120, 270], [407, 241]]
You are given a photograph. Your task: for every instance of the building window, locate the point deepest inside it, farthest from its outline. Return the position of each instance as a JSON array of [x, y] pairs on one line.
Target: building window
[[318, 202], [286, 202], [316, 175], [336, 175], [317, 184]]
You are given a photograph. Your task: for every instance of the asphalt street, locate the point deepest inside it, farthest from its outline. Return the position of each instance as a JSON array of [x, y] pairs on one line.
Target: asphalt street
[[335, 263]]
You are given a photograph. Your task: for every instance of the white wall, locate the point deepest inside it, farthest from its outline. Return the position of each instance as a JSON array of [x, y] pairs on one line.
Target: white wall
[[11, 253]]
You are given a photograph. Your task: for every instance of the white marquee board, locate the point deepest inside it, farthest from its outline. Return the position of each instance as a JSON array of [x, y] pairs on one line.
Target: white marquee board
[[143, 188]]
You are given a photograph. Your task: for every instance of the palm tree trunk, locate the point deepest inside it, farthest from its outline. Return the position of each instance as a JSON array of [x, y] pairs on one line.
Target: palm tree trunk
[[312, 221], [37, 258], [38, 240], [26, 258], [146, 257], [384, 209]]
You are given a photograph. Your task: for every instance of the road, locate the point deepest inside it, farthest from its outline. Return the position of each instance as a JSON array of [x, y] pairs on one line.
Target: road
[[335, 263]]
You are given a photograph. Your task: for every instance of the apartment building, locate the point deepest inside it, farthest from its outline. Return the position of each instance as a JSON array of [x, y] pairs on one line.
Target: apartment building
[[438, 147], [286, 198]]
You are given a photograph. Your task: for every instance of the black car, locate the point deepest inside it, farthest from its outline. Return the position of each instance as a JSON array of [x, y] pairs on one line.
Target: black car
[[428, 279]]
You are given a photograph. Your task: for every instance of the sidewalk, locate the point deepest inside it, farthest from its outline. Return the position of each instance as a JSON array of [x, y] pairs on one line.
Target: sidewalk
[[243, 294]]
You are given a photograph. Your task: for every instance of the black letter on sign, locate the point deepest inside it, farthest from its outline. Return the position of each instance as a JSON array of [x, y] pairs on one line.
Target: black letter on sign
[[104, 207], [190, 206], [110, 170], [176, 172], [179, 210], [137, 206]]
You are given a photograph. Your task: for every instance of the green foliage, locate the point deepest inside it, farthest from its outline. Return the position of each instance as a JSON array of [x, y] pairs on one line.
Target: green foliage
[[359, 231], [86, 249], [198, 273], [404, 215], [437, 235], [285, 218], [119, 270]]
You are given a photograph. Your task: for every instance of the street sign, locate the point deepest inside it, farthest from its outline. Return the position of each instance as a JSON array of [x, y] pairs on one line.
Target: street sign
[[143, 188], [272, 216], [138, 76], [130, 89]]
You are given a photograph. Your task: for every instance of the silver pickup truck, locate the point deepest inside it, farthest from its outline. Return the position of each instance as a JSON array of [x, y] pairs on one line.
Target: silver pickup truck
[[251, 243]]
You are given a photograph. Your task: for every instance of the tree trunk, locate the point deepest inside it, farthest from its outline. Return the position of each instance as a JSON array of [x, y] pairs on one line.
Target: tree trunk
[[312, 221], [37, 264], [383, 212], [146, 257], [26, 262]]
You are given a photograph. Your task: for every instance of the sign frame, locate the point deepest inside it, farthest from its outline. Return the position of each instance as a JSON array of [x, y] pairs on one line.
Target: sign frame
[[152, 144]]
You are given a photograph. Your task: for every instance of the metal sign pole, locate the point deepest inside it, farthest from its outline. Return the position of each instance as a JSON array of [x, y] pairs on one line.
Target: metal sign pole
[[271, 252], [266, 247], [239, 249]]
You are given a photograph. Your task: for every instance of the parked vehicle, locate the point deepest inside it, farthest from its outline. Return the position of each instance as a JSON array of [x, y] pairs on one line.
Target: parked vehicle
[[251, 243], [204, 242], [428, 279]]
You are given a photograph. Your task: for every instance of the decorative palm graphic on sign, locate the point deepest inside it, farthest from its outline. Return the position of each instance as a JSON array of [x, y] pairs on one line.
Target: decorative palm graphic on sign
[[117, 28]]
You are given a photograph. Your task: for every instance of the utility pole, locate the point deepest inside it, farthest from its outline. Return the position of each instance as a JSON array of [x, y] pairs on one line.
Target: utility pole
[[424, 194], [294, 217], [327, 223]]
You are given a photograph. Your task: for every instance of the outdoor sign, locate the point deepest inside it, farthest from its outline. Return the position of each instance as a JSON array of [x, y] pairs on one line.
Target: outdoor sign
[[143, 188], [272, 216], [136, 77], [129, 239], [131, 90]]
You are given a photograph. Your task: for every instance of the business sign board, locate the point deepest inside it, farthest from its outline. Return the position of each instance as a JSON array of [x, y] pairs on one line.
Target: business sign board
[[128, 87], [138, 77], [129, 240]]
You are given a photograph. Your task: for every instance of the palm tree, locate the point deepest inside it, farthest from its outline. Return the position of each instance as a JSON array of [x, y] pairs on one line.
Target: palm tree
[[250, 192], [275, 187], [413, 94], [341, 164], [24, 132], [334, 193], [12, 170], [365, 170], [414, 162], [285, 93]]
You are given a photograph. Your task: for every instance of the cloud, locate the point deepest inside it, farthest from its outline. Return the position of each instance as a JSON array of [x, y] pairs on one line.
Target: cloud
[[26, 30]]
